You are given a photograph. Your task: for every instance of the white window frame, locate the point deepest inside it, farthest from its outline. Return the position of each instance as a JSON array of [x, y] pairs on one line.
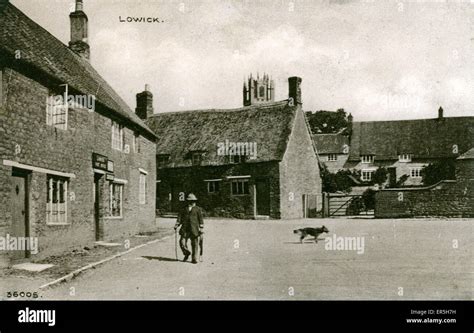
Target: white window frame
[[416, 172], [117, 136], [332, 157], [240, 187], [405, 158], [121, 187], [211, 186], [56, 212], [198, 157], [56, 110], [142, 188], [363, 174], [367, 159]]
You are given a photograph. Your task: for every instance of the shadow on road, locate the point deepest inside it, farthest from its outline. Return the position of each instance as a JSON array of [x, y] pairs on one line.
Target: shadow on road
[[159, 258]]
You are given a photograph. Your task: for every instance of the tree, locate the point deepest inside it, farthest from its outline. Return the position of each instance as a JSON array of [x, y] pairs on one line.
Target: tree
[[380, 176], [438, 171], [325, 122], [336, 182]]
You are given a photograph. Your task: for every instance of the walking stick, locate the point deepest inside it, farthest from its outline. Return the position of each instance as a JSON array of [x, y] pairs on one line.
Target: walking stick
[[176, 243], [201, 242]]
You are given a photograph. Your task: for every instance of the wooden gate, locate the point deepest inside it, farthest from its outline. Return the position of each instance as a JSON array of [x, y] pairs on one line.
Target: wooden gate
[[344, 205]]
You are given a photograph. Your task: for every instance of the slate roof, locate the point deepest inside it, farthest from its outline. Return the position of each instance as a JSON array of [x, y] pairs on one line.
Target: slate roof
[[49, 55], [331, 143], [179, 133], [423, 138]]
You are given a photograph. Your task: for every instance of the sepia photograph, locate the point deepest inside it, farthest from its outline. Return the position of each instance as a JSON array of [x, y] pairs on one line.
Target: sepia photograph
[[237, 150]]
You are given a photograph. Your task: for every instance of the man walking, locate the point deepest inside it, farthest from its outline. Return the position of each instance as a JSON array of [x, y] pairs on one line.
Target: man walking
[[192, 225]]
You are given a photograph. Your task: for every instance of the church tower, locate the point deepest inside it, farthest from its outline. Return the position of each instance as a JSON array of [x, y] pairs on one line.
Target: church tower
[[258, 90]]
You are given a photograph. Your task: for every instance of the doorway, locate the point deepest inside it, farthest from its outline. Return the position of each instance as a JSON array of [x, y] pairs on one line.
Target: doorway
[[97, 207], [262, 189], [20, 210]]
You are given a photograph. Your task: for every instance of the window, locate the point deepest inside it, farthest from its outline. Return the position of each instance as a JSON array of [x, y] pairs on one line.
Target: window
[[332, 157], [262, 91], [240, 187], [136, 143], [197, 158], [404, 158], [236, 159], [213, 186], [367, 158], [162, 160], [366, 175], [117, 136], [142, 189], [57, 110], [415, 172], [56, 202], [115, 202]]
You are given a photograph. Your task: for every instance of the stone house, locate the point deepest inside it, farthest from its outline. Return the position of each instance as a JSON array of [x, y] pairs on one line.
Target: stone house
[[404, 147], [76, 164], [333, 150], [253, 162]]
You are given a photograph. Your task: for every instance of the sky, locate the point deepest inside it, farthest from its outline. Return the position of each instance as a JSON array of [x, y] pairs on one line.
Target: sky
[[379, 60]]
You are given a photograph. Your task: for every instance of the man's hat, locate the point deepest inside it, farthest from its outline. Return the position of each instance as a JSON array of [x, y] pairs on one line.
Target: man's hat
[[191, 197]]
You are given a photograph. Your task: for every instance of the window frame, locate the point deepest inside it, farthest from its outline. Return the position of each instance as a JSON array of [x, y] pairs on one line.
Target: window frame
[[334, 159], [404, 158], [417, 171], [142, 188], [243, 190], [118, 136], [121, 186], [52, 206], [367, 159], [54, 109], [212, 184], [366, 171], [196, 156]]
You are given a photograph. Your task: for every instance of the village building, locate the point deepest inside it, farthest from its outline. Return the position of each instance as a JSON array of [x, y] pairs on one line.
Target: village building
[[402, 147], [77, 165], [333, 150], [257, 161]]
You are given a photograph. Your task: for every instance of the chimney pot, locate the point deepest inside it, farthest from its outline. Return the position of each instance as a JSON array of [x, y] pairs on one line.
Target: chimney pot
[[440, 113]]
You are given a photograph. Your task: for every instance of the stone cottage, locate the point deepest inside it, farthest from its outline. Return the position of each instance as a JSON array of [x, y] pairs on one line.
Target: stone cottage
[[76, 164], [258, 161]]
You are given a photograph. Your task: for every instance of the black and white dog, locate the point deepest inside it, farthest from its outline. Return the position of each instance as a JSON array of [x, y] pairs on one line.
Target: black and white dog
[[315, 232]]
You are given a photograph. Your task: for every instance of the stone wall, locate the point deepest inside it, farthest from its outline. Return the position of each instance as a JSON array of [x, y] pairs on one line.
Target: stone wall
[[299, 171], [448, 198]]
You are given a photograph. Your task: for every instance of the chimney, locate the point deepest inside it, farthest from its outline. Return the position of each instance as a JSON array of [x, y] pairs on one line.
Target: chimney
[[294, 84], [440, 113], [79, 31], [144, 103]]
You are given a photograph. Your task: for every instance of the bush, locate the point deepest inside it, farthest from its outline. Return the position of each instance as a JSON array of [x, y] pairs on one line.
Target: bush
[[438, 171], [368, 198]]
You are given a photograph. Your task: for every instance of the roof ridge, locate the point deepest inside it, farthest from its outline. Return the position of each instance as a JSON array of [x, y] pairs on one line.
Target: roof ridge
[[406, 120], [245, 108]]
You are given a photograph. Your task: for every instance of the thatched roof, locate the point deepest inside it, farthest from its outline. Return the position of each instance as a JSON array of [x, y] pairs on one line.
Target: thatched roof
[[51, 57], [331, 143], [423, 138], [180, 133]]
